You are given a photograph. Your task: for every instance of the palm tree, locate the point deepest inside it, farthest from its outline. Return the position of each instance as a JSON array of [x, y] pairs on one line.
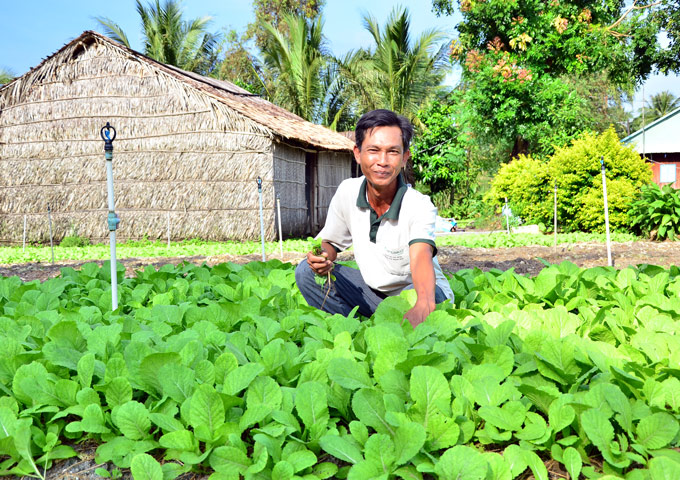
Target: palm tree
[[660, 105], [656, 107], [399, 74], [304, 76], [170, 39]]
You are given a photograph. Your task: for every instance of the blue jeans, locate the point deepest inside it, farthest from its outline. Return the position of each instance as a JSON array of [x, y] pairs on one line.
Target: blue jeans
[[348, 291]]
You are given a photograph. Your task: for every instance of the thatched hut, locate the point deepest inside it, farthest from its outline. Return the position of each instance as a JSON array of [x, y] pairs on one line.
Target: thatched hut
[[188, 147]]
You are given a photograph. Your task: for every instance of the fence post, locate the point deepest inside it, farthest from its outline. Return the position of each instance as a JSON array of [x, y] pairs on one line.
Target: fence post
[[555, 216], [278, 210], [606, 213], [507, 215], [259, 191], [49, 220]]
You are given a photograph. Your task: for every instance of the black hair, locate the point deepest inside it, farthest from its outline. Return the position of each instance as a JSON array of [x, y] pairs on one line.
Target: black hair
[[383, 118]]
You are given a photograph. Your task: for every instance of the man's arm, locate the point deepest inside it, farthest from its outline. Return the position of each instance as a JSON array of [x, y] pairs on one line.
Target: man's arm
[[323, 263], [422, 273]]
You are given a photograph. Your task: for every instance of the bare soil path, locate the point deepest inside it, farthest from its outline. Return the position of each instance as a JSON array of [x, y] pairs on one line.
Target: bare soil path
[[524, 260]]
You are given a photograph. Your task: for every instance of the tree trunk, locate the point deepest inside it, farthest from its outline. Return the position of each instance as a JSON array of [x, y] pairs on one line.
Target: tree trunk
[[521, 146]]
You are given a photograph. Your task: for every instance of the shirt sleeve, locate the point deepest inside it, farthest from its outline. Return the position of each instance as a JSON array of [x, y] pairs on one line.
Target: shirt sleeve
[[422, 224], [336, 230]]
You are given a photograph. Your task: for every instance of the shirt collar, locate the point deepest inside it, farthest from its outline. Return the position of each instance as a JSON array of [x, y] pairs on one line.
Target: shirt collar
[[395, 206]]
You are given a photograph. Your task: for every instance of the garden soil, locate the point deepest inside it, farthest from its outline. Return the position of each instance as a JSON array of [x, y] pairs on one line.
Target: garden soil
[[524, 260]]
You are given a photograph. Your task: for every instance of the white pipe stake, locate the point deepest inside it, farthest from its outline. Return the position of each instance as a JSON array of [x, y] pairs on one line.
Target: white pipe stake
[[114, 273], [555, 216], [507, 215], [168, 229], [49, 219], [24, 237], [278, 209], [606, 214], [259, 190]]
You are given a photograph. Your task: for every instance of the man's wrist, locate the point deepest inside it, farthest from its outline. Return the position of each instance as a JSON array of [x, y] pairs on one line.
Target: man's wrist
[[426, 302]]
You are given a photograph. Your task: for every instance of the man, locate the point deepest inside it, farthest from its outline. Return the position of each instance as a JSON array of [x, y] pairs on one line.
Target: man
[[390, 225]]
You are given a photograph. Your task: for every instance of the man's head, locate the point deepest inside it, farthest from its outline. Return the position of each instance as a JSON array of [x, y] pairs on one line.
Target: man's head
[[383, 118]]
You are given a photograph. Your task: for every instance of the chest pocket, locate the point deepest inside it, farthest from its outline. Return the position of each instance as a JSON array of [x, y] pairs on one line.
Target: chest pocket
[[396, 259]]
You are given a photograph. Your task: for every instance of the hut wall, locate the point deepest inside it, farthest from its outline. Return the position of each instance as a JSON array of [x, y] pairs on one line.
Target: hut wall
[[289, 185], [178, 153], [328, 169], [333, 168]]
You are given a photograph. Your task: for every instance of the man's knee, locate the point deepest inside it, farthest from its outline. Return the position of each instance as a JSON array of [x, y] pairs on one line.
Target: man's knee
[[303, 273]]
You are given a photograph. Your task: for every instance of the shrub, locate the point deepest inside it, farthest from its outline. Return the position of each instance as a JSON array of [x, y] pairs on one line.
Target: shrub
[[528, 184], [74, 241], [577, 170], [620, 194], [656, 213]]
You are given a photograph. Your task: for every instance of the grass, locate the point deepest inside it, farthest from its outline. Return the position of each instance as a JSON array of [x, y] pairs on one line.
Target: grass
[[188, 248]]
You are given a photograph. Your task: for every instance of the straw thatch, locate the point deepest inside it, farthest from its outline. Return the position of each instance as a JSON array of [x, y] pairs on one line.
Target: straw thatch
[[188, 147]]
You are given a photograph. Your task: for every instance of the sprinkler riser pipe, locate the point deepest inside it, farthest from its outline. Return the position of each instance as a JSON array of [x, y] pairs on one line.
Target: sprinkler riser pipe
[[109, 184], [114, 273], [112, 219], [606, 213]]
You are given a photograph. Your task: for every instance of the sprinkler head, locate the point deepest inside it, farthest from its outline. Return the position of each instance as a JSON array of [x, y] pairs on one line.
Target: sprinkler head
[[105, 133]]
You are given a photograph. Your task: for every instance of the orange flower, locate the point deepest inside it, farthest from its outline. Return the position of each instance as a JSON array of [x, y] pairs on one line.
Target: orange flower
[[495, 45], [560, 24], [585, 16]]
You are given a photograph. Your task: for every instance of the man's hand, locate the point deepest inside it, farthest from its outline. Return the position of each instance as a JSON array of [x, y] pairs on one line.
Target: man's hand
[[419, 312], [319, 264], [322, 264]]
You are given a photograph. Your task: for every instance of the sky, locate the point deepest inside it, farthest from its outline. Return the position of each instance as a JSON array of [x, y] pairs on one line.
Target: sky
[[31, 30]]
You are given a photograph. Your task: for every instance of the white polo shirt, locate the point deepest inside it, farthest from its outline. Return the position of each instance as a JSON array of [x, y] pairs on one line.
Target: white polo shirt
[[381, 244]]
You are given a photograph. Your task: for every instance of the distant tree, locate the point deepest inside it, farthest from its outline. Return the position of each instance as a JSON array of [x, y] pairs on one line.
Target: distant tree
[[442, 158], [666, 16], [6, 76], [169, 38], [654, 108], [660, 105], [239, 65], [605, 103], [519, 60], [273, 12], [398, 72], [304, 76]]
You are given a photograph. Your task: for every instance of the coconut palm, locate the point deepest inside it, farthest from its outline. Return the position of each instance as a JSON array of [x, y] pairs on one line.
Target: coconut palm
[[660, 105], [656, 107], [304, 76], [170, 39], [398, 73]]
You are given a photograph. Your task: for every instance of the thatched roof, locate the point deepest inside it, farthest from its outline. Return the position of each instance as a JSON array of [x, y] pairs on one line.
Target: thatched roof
[[276, 120]]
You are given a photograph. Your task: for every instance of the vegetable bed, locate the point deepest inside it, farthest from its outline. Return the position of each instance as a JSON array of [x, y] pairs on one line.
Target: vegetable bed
[[226, 370]]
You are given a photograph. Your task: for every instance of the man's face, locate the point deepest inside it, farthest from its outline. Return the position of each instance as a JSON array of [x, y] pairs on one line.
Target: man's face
[[382, 155]]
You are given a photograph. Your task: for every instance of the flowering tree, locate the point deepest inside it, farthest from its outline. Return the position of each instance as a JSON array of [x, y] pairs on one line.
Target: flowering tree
[[517, 56]]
